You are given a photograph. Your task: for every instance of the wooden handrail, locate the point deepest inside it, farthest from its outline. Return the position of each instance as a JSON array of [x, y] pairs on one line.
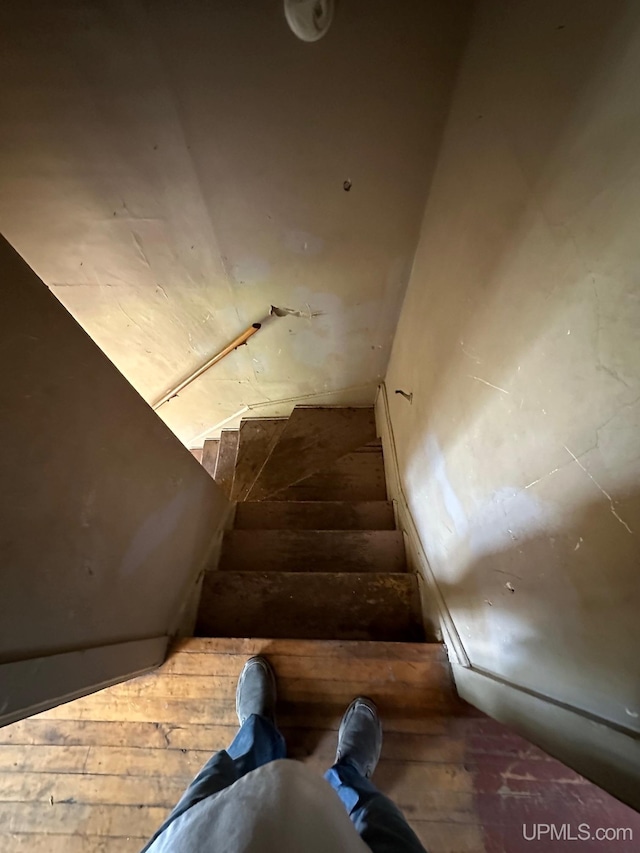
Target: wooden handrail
[[235, 343]]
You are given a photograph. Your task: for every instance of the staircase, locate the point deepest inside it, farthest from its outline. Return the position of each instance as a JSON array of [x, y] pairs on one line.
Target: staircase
[[314, 552], [313, 576]]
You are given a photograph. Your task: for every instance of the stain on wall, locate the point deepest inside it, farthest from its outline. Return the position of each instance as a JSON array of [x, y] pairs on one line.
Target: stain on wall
[[520, 341], [171, 170]]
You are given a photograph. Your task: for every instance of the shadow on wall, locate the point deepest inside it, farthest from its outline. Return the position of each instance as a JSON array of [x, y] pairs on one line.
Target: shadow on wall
[[550, 606], [517, 261], [519, 340]]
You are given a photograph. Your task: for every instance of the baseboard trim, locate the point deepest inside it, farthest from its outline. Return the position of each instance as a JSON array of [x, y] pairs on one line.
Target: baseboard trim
[[318, 398], [434, 605], [601, 753], [606, 754], [37, 684]]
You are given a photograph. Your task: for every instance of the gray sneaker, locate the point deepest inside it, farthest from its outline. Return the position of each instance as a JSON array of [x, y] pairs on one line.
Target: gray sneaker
[[256, 690], [360, 736]]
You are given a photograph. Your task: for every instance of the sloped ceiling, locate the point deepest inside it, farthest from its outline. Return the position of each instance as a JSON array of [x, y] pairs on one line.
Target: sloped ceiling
[[173, 169]]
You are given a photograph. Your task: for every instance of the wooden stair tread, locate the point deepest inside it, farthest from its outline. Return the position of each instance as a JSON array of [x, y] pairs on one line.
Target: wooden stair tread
[[315, 515], [312, 439], [329, 650], [315, 605], [357, 476], [226, 460], [257, 438], [210, 455], [313, 551], [316, 681]]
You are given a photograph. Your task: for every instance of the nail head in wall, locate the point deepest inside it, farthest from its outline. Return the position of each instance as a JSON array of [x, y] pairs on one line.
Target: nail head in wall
[[346, 186]]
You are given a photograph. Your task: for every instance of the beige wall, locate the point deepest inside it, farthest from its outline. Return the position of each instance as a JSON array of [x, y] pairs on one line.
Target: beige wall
[[520, 340], [105, 518], [172, 169]]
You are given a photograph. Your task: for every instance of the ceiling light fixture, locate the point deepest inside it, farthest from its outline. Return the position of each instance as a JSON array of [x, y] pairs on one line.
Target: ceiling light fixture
[[309, 19]]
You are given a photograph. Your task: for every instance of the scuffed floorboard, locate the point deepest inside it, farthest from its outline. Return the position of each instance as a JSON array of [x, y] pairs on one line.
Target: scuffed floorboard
[[98, 775]]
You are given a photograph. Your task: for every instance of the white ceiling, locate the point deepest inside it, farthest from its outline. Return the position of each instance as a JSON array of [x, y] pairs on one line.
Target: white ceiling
[[171, 170]]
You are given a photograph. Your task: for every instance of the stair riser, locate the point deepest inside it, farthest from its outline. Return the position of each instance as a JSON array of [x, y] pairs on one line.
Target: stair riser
[[226, 461], [256, 440], [209, 458], [312, 439], [311, 606], [315, 515], [356, 477], [313, 551]]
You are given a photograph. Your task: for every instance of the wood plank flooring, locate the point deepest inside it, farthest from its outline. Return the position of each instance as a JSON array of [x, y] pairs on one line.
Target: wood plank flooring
[[98, 775]]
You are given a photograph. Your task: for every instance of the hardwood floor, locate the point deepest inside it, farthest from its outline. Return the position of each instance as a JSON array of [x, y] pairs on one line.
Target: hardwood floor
[[98, 775]]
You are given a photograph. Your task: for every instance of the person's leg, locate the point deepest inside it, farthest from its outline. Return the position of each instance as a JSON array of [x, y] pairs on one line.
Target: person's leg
[[378, 820], [257, 742]]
